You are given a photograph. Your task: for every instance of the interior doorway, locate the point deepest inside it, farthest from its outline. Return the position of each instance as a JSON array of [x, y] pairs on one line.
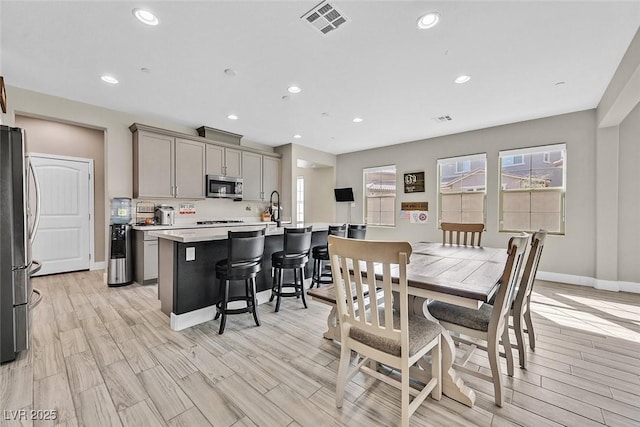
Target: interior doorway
[[64, 239]]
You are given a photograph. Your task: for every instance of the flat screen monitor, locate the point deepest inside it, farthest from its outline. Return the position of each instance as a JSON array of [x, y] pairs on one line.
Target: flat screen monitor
[[344, 194]]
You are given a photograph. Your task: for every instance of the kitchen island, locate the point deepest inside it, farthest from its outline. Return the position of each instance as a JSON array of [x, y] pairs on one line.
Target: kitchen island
[[187, 285]]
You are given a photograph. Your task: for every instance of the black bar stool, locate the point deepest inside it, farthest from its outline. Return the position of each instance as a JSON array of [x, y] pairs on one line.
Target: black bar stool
[[297, 244], [244, 262], [357, 231], [322, 274]]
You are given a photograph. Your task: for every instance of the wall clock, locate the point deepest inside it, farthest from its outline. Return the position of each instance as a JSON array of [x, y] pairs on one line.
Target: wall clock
[[3, 95]]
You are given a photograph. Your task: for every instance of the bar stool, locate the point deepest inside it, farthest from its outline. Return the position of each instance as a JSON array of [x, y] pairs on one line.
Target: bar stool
[[297, 244], [244, 262], [321, 253], [357, 231]]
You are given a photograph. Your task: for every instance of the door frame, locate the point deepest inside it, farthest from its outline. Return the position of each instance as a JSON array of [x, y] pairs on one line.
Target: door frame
[[93, 265]]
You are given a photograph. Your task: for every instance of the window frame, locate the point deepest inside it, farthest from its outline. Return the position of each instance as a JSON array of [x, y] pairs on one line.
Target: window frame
[[457, 159], [545, 150], [365, 197]]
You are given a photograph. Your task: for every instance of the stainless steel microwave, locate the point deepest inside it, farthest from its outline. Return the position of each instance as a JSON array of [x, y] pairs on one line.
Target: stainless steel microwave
[[224, 187]]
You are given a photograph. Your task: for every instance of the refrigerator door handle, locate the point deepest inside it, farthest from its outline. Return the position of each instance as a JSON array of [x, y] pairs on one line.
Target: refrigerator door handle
[[36, 222]]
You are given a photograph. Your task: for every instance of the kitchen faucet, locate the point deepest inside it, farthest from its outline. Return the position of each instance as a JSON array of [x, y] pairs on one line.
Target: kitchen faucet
[[275, 214]]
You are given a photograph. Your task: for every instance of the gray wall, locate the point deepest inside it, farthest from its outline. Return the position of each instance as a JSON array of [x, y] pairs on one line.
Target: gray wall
[[573, 253], [629, 198]]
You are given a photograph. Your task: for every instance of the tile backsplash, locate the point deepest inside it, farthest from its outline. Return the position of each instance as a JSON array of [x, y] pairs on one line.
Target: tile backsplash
[[209, 209]]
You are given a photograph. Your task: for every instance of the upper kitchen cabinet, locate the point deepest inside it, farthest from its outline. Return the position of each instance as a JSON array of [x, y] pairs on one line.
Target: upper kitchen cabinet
[[270, 176], [251, 176], [167, 167], [223, 161], [261, 176], [189, 169], [153, 165]]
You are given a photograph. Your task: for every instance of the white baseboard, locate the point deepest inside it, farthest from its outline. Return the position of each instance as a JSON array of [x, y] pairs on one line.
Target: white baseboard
[[606, 285], [192, 318], [100, 265]]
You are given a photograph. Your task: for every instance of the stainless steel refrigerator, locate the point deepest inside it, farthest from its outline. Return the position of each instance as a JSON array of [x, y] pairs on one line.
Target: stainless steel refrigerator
[[18, 225]]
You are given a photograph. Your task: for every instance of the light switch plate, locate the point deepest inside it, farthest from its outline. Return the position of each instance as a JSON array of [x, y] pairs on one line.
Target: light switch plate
[[191, 254]]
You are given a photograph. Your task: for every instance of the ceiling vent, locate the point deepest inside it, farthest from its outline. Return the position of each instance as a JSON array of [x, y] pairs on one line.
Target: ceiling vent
[[442, 119], [324, 17]]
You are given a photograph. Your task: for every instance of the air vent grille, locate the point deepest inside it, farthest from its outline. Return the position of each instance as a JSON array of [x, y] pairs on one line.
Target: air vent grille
[[442, 119], [324, 17]]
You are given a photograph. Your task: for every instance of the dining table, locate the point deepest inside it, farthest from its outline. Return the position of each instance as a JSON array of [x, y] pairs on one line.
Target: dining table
[[463, 275]]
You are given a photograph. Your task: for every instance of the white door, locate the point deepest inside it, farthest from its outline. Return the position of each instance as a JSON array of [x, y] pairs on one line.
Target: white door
[[62, 240]]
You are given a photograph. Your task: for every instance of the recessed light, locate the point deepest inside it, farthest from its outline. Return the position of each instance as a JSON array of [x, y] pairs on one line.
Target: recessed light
[[232, 117], [145, 17], [462, 79], [230, 72], [428, 20], [357, 119], [296, 136], [294, 89], [109, 79]]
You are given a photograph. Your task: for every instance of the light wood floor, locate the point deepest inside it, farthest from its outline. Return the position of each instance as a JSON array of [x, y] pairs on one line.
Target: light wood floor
[[106, 356]]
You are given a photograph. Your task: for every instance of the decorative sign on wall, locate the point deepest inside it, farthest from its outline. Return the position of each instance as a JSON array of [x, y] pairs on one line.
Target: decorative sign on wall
[[415, 212], [414, 182], [187, 209]]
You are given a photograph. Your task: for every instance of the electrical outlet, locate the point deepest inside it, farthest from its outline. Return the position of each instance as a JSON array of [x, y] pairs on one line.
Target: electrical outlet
[[191, 254], [353, 204]]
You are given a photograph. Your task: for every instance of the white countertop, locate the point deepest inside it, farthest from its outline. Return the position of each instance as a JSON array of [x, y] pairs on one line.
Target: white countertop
[[193, 225], [192, 235]]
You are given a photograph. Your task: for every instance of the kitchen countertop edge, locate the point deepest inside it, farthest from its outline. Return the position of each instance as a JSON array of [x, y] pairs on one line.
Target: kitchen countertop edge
[[192, 235]]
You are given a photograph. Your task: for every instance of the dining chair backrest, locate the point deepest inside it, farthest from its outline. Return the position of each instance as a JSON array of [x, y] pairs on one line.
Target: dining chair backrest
[[462, 234], [508, 282], [244, 247], [297, 240], [530, 269], [357, 231], [348, 257], [338, 230]]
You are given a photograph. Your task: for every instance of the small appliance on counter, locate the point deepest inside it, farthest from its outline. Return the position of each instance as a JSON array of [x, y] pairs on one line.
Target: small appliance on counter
[[165, 215], [120, 268], [145, 213]]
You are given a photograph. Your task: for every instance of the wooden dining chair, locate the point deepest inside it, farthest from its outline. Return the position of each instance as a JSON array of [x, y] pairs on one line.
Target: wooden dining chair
[[462, 234], [490, 322], [521, 309], [372, 328]]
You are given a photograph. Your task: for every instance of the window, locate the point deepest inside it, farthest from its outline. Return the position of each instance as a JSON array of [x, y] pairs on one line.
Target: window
[[300, 199], [512, 160], [461, 197], [380, 195], [463, 166], [532, 193]]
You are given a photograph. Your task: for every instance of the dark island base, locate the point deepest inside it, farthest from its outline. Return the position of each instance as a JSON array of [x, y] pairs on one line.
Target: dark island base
[[194, 285]]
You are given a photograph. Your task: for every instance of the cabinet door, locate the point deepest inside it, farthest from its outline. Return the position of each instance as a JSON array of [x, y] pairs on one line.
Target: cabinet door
[[189, 169], [215, 160], [153, 165], [270, 176], [150, 259], [233, 162], [252, 176]]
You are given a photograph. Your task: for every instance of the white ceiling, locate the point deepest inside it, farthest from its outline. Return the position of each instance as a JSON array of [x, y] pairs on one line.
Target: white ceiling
[[378, 66]]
